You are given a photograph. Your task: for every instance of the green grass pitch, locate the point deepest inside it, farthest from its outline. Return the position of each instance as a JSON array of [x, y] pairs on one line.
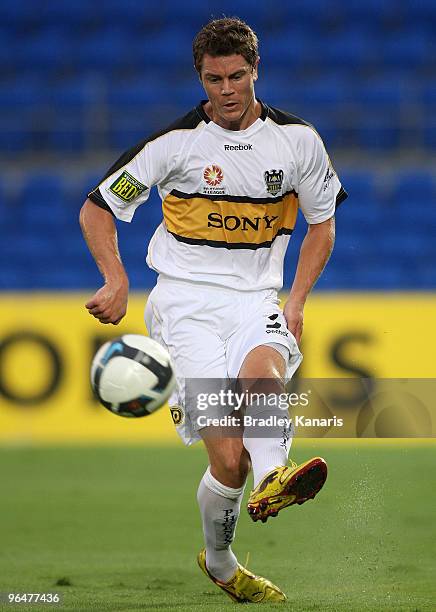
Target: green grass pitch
[[118, 529]]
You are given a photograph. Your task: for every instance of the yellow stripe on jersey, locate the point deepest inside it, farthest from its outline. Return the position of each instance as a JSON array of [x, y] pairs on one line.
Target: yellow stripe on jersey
[[229, 223]]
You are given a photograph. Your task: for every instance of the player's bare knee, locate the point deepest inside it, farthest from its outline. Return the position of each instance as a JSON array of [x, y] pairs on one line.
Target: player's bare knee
[[236, 467], [265, 386], [232, 468], [263, 371]]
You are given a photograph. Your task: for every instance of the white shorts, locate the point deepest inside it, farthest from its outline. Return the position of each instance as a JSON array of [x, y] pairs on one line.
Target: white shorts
[[208, 331]]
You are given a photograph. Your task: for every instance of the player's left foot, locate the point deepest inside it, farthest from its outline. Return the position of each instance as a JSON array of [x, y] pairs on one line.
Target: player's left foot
[[244, 587], [285, 486]]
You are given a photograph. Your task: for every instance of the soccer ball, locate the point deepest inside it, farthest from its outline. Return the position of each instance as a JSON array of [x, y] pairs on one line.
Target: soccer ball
[[132, 375]]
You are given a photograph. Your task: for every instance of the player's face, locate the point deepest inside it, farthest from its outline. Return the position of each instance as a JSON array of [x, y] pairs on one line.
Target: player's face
[[229, 84]]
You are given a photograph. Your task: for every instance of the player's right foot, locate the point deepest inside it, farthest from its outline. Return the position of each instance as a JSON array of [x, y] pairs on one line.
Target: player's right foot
[[244, 587], [285, 486]]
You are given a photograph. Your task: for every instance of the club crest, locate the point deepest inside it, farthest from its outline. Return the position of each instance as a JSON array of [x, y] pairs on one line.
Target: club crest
[[273, 181]]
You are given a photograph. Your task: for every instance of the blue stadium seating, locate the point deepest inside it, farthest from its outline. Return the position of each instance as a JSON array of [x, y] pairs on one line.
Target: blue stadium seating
[[351, 50], [385, 235], [45, 50], [414, 187], [429, 135], [408, 51], [381, 93], [378, 133], [77, 81], [74, 57]]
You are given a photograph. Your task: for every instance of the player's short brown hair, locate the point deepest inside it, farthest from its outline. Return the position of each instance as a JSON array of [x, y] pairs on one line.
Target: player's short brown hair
[[226, 36]]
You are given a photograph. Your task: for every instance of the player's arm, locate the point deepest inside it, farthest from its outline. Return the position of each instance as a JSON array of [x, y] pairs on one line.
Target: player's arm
[[319, 194], [314, 255], [109, 303]]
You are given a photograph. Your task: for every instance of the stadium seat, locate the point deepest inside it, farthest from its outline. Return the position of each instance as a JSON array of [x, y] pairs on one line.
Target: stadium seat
[[68, 135], [77, 93], [134, 94], [377, 133], [127, 130], [16, 135], [22, 94], [163, 49], [379, 93], [44, 187], [426, 12], [414, 187], [14, 13], [360, 185], [324, 92], [112, 48], [429, 135], [352, 49], [405, 49], [429, 94], [425, 277], [371, 11], [287, 52], [46, 50], [314, 13]]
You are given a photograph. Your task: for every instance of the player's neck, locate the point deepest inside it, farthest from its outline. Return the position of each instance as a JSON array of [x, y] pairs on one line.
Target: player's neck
[[250, 115]]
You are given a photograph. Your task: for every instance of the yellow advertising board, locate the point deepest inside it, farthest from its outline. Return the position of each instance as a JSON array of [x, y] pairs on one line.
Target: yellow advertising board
[[47, 342]]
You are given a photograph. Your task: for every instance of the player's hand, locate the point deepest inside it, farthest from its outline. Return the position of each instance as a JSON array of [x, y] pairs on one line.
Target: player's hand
[[293, 313], [109, 304]]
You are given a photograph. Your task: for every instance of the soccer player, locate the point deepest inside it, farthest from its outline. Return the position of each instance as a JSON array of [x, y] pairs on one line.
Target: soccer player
[[231, 174]]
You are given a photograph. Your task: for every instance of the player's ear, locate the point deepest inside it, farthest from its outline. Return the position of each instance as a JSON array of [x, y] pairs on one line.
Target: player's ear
[[198, 74], [255, 68]]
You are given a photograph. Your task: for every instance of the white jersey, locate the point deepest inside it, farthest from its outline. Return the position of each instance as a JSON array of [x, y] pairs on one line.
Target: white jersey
[[229, 198]]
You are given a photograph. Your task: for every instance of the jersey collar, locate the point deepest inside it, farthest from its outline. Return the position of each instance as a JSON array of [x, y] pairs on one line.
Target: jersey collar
[[200, 110]]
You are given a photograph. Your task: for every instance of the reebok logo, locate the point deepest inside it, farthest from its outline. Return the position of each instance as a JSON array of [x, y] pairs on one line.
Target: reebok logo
[[238, 147]]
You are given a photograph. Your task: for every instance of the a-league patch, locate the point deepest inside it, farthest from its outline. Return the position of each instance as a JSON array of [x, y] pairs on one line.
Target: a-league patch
[[177, 415], [126, 187]]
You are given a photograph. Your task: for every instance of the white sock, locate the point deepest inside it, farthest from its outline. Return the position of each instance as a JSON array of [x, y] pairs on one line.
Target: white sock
[[219, 507], [267, 446]]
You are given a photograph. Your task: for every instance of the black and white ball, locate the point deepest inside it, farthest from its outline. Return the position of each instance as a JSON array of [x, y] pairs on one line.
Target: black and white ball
[[132, 375]]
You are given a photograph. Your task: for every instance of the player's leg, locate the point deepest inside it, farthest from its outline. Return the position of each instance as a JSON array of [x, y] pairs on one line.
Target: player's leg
[[276, 485], [229, 461], [178, 316], [219, 498], [263, 354], [262, 375], [220, 507]]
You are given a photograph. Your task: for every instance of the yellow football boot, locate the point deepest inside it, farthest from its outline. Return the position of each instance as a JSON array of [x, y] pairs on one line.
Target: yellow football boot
[[286, 485], [244, 587]]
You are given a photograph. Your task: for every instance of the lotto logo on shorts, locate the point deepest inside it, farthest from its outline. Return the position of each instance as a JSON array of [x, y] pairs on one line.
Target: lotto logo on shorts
[[126, 187]]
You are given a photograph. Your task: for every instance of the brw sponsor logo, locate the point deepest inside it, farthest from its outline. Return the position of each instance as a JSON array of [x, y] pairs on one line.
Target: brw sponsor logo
[[232, 222], [127, 187]]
